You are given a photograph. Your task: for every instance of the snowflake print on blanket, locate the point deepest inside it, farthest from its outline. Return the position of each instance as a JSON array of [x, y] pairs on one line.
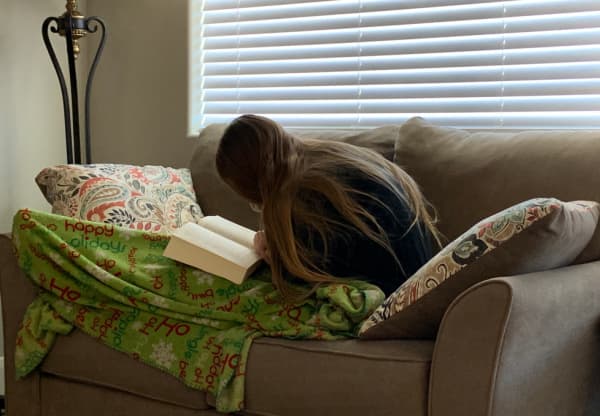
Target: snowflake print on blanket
[[162, 354]]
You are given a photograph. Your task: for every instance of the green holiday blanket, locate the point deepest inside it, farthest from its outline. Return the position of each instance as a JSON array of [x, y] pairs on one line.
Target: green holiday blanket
[[114, 284]]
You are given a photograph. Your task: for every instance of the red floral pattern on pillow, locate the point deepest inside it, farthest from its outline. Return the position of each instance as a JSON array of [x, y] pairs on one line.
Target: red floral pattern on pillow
[[151, 198]]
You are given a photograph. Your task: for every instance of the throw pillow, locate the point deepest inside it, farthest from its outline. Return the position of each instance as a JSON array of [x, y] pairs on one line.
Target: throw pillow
[[151, 198], [535, 235]]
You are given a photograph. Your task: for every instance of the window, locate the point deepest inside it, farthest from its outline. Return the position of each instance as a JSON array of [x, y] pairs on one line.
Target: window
[[363, 63]]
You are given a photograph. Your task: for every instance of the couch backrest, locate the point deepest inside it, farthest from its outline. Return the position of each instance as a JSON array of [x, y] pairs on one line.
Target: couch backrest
[[468, 176], [216, 198]]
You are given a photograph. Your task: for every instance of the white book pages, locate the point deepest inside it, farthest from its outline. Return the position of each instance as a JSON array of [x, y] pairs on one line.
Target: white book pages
[[231, 230], [220, 245]]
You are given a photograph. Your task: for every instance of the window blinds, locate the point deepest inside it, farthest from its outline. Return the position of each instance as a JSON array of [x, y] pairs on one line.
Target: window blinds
[[363, 63]]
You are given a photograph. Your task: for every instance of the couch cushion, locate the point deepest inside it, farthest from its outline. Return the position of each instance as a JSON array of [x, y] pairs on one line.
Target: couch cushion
[[468, 176], [81, 358], [539, 234], [349, 377], [283, 377], [216, 198]]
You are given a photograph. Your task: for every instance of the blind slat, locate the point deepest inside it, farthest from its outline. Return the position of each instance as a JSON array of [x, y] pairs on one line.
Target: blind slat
[[577, 53], [414, 46], [436, 90], [548, 120], [419, 105], [531, 72]]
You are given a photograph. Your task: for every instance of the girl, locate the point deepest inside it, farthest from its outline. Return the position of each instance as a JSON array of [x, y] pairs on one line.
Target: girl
[[330, 210]]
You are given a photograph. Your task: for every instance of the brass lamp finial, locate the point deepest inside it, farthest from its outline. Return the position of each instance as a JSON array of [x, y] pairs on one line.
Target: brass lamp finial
[[78, 30], [71, 6]]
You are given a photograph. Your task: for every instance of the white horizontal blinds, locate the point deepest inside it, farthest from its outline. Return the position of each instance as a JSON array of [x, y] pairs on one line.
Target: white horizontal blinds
[[341, 63], [552, 64]]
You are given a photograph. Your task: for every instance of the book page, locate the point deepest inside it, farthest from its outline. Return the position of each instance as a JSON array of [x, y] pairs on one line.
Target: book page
[[222, 246], [229, 229]]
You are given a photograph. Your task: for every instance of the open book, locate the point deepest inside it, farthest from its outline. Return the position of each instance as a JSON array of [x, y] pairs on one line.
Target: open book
[[217, 246]]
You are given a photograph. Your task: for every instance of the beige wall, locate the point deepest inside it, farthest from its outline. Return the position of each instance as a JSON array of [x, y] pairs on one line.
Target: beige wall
[[31, 120], [139, 102]]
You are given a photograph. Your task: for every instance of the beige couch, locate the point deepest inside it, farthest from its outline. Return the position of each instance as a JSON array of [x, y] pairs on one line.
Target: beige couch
[[519, 345]]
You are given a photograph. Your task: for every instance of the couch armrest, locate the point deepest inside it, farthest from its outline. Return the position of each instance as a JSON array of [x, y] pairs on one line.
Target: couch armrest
[[17, 293], [521, 345]]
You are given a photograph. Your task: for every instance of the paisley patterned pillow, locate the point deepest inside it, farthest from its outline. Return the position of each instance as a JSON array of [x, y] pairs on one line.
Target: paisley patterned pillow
[[538, 234], [151, 198]]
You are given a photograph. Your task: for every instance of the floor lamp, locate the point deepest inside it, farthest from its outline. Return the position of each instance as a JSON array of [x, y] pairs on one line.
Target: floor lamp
[[73, 26]]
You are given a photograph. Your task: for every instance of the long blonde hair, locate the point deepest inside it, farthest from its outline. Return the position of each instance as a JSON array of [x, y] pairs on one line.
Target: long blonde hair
[[268, 166]]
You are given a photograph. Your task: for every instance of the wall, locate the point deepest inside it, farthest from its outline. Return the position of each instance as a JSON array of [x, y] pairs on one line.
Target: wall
[[139, 102], [31, 118]]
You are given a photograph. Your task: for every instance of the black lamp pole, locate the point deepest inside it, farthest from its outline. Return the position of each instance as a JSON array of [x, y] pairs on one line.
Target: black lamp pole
[[74, 26]]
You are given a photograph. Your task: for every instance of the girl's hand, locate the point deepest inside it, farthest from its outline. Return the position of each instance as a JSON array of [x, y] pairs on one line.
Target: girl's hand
[[260, 246]]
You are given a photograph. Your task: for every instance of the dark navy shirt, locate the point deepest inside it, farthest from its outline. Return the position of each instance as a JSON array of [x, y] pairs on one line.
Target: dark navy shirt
[[354, 255]]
